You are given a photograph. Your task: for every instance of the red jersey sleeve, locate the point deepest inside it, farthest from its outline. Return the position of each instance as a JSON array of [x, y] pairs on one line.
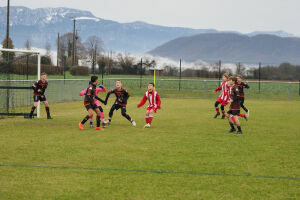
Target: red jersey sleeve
[[143, 101], [158, 101], [219, 88]]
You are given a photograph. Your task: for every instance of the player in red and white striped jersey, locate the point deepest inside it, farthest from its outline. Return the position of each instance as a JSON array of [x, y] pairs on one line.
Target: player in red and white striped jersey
[[154, 103], [224, 96]]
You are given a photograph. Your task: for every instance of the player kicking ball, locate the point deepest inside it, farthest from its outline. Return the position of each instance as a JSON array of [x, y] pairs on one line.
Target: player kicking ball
[[100, 89], [235, 106], [89, 103], [121, 101], [39, 88], [154, 103]]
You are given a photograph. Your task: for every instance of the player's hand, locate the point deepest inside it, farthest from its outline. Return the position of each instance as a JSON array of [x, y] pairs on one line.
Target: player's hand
[[101, 86], [39, 90]]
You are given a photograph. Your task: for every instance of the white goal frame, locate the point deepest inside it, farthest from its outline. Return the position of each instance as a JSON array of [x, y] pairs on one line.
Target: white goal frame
[[38, 53]]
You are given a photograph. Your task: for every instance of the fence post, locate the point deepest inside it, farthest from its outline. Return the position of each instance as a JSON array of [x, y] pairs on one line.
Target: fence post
[[60, 91], [289, 91], [259, 68], [204, 88], [161, 87], [179, 74]]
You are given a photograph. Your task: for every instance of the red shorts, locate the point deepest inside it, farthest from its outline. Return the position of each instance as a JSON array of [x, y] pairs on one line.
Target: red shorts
[[152, 108], [222, 102]]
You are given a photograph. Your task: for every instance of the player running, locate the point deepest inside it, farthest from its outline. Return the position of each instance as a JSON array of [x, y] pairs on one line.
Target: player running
[[121, 101], [223, 98], [100, 89], [89, 103], [235, 105], [39, 88], [154, 103], [241, 86]]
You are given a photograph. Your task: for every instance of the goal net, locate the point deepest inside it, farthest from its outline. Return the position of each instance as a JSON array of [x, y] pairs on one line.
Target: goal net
[[18, 70]]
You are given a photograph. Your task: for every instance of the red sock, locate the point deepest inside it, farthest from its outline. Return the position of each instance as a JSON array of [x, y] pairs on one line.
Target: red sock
[[147, 119], [223, 112], [217, 109], [241, 115], [150, 119]]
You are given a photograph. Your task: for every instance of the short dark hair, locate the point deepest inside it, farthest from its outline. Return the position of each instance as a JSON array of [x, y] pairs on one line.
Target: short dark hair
[[239, 76], [151, 84], [233, 78], [226, 75], [43, 73], [94, 78]]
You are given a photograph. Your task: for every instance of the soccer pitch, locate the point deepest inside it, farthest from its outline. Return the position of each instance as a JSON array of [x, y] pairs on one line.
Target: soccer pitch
[[186, 154]]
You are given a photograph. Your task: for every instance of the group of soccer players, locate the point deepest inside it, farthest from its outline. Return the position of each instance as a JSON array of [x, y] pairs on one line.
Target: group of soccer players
[[232, 92]]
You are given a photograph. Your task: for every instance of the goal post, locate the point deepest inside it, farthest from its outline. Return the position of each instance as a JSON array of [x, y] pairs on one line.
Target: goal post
[[26, 52]]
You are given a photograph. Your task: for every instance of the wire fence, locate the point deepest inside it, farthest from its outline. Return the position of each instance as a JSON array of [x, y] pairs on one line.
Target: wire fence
[[60, 90]]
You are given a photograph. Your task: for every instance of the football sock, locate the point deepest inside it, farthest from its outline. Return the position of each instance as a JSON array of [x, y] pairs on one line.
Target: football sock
[[242, 115], [85, 119], [47, 111], [217, 109], [150, 119], [231, 125], [32, 110], [98, 121], [102, 115], [239, 127], [223, 112], [147, 119], [109, 119]]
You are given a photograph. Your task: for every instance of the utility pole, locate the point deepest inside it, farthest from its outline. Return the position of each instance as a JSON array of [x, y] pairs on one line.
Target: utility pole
[[7, 23], [179, 74], [73, 51], [219, 72], [58, 49]]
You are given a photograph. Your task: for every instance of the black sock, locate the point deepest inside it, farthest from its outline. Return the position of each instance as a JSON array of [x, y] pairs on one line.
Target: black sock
[[239, 127], [32, 111], [85, 119], [47, 111], [231, 125], [98, 121]]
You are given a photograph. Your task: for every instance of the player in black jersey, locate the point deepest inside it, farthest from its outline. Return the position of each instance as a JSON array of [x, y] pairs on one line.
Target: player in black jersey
[[89, 103], [122, 96], [241, 86], [39, 88], [235, 106]]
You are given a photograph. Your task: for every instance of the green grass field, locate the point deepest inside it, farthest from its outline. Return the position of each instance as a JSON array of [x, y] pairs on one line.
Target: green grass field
[[185, 155]]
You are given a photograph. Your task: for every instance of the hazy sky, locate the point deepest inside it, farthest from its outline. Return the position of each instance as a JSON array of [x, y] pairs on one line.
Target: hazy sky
[[239, 15]]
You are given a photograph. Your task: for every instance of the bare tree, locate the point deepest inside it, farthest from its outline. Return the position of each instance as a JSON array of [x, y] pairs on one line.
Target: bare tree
[[94, 45], [48, 49]]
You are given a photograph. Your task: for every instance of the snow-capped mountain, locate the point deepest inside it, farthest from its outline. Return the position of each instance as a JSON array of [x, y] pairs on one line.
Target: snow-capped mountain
[[42, 25]]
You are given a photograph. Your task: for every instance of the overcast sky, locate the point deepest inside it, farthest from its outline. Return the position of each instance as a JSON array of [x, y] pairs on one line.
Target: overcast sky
[[238, 15]]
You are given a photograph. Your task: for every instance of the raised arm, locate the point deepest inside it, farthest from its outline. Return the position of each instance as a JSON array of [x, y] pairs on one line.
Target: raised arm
[[143, 101], [245, 85], [107, 96], [219, 88]]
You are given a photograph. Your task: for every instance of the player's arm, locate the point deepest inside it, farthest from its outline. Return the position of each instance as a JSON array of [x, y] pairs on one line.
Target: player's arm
[[82, 93], [99, 99], [158, 101], [143, 101], [245, 85], [126, 95], [101, 89], [34, 86], [107, 96], [219, 88]]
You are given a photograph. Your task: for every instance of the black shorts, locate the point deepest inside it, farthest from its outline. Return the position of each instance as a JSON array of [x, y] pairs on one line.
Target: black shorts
[[39, 98], [90, 107], [117, 107], [233, 112]]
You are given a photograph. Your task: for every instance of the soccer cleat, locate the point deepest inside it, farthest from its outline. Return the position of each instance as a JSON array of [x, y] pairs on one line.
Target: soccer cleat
[[232, 130], [80, 125], [107, 122], [30, 117], [103, 125], [99, 128], [91, 124], [216, 115], [133, 123], [223, 116], [239, 132], [147, 126], [49, 117]]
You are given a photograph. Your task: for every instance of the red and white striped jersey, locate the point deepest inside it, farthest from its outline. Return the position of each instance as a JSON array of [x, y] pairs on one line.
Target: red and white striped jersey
[[224, 91], [153, 99]]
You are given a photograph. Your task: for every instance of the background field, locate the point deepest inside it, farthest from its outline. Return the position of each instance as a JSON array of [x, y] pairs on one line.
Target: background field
[[185, 155]]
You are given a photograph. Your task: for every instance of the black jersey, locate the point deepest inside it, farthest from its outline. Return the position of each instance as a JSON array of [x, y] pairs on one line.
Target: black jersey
[[122, 96], [235, 97], [241, 86], [39, 88]]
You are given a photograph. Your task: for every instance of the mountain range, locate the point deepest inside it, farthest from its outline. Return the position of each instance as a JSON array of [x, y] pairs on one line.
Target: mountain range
[[230, 47], [41, 25]]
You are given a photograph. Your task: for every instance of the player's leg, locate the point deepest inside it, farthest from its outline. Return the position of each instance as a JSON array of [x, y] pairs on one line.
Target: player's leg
[[97, 111], [237, 123], [244, 116], [91, 120], [102, 116], [217, 108], [151, 114], [111, 113], [230, 121], [86, 118], [35, 104], [242, 105], [147, 116], [47, 108], [124, 114], [223, 111]]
